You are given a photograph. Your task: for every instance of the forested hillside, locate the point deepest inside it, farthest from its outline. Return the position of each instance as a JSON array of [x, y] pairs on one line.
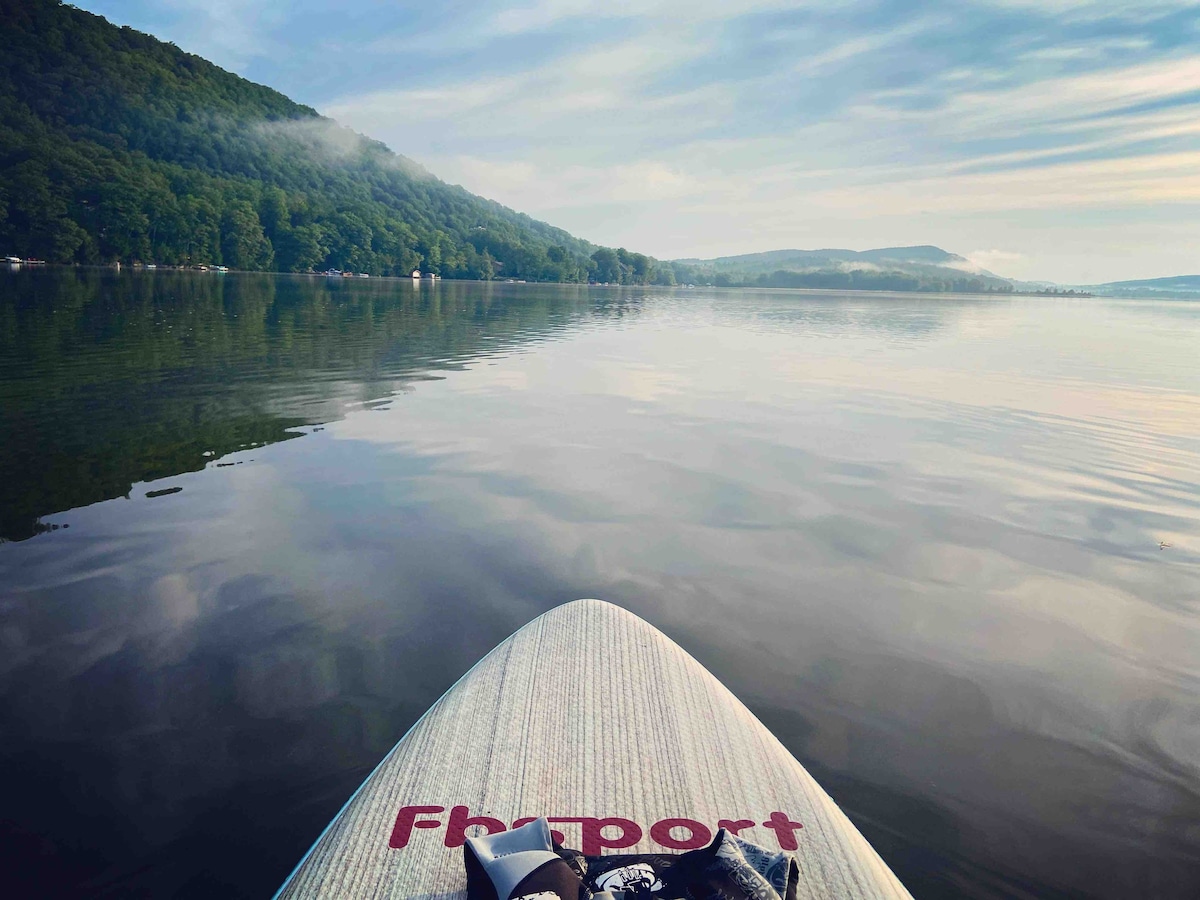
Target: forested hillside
[[115, 146], [1178, 287]]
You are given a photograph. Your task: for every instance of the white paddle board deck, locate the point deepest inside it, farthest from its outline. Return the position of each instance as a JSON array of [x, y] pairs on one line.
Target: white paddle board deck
[[594, 718]]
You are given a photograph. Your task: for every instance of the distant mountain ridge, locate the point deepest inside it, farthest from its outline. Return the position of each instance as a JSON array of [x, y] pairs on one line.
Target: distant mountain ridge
[[922, 267], [1185, 287], [924, 254]]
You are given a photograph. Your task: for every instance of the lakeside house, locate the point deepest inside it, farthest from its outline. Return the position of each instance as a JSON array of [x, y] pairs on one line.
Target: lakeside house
[[416, 274]]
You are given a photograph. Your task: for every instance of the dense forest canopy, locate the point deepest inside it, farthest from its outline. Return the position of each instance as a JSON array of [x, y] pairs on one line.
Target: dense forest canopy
[[115, 146]]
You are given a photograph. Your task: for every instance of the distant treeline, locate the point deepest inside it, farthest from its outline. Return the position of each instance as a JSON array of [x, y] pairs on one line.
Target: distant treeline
[[1055, 292], [851, 280]]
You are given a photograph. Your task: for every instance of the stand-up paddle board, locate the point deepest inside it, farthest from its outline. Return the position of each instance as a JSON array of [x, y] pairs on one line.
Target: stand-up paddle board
[[595, 719]]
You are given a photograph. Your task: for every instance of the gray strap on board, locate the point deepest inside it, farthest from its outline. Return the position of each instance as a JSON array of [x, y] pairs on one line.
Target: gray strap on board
[[509, 857]]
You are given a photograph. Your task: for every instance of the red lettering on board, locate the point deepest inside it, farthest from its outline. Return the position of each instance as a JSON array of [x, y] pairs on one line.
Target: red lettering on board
[[461, 819], [554, 832], [784, 829], [733, 826], [698, 836], [594, 841], [407, 818]]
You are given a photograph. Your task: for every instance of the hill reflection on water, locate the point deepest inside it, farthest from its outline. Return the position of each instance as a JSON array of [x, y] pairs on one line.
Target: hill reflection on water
[[918, 536], [109, 380]]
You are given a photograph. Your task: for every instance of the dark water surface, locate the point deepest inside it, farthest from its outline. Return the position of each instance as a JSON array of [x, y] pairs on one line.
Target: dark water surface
[[257, 525]]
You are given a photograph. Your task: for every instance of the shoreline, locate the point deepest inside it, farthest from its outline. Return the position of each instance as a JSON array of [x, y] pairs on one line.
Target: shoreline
[[404, 279]]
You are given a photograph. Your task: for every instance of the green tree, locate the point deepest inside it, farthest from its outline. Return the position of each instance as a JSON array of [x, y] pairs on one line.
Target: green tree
[[243, 243], [608, 265], [200, 236], [273, 213], [301, 249]]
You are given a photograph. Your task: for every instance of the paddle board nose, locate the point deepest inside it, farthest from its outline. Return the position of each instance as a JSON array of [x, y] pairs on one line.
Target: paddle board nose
[[595, 719]]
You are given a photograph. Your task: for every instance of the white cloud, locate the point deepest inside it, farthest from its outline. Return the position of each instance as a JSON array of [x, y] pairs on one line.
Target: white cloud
[[1068, 102], [231, 33], [546, 13], [580, 102], [1094, 8], [994, 259], [1087, 50], [626, 183]]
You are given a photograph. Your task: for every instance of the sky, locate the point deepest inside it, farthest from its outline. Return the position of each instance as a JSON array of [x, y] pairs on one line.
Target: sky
[[1042, 139]]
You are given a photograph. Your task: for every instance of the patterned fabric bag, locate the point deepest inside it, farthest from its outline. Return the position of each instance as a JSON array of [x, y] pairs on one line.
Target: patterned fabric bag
[[526, 864]]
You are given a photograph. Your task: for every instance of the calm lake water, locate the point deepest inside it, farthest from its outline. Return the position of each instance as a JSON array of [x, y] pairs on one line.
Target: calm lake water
[[256, 525]]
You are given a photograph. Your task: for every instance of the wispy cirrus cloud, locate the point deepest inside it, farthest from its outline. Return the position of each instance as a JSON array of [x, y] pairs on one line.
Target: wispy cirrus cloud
[[1063, 134]]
